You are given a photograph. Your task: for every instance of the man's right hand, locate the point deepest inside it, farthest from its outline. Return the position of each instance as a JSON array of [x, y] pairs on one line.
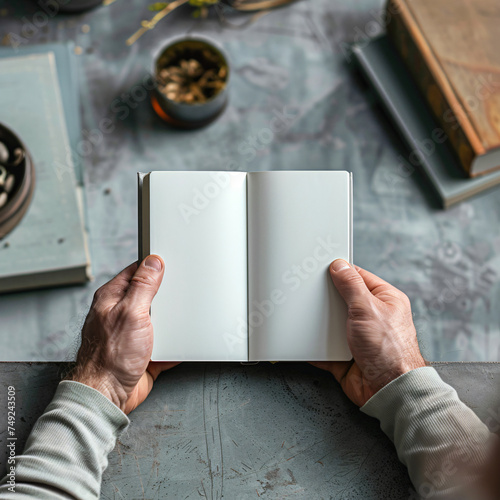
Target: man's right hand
[[117, 337], [380, 333]]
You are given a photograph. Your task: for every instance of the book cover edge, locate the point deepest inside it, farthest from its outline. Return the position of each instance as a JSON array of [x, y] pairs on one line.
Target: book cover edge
[[431, 60]]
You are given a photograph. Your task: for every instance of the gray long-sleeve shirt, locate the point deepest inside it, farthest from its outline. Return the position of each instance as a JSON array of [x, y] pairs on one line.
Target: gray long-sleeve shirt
[[67, 450], [439, 439], [443, 443]]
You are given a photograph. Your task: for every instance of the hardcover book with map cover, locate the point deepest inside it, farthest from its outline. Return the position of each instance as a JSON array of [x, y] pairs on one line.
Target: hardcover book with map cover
[[451, 49]]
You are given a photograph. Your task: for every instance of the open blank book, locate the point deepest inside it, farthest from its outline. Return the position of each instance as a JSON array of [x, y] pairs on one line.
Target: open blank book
[[246, 263]]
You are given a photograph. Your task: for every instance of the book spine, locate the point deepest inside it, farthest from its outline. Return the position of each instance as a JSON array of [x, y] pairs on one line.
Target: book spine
[[409, 43]]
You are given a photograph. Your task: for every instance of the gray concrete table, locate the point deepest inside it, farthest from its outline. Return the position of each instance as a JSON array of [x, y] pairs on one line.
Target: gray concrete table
[[293, 61], [274, 431], [211, 430]]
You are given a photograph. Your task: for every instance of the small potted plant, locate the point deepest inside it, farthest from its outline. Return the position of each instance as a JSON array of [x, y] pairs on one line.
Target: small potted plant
[[191, 78]]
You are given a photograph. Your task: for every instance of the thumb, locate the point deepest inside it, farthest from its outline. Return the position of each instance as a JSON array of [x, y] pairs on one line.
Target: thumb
[[145, 282], [348, 281]]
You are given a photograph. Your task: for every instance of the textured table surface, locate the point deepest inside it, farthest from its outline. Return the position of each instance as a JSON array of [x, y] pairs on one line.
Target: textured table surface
[[211, 430], [293, 61]]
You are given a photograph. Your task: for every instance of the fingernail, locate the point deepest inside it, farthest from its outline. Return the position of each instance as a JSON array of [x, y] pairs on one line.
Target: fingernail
[[153, 263], [339, 265]]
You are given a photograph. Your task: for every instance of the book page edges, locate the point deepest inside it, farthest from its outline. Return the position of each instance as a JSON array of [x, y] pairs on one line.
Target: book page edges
[[44, 279], [351, 220], [83, 219], [143, 182], [72, 172], [248, 277], [486, 164]]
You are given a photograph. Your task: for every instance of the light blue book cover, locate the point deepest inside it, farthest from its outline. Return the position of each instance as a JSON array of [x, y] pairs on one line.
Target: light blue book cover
[[68, 83], [49, 246]]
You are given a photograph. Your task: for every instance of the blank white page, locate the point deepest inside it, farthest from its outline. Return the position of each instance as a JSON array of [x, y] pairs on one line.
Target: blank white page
[[298, 223], [198, 227]]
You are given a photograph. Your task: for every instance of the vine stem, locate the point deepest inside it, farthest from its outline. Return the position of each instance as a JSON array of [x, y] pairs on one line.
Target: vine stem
[[245, 6], [148, 25], [240, 5]]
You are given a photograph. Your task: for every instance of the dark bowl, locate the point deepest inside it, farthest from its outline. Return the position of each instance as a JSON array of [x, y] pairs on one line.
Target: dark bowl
[[24, 182], [68, 6]]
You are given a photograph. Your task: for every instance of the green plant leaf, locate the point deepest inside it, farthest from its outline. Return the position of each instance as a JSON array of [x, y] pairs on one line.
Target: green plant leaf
[[158, 6]]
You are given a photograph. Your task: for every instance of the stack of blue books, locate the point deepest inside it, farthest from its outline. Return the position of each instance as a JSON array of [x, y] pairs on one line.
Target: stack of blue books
[[408, 109]]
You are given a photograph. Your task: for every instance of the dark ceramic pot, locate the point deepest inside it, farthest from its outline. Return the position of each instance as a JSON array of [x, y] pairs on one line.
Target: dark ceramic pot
[[67, 6], [22, 169], [182, 114]]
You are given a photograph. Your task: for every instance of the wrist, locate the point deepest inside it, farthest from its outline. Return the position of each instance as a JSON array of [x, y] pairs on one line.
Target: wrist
[[405, 365], [105, 383]]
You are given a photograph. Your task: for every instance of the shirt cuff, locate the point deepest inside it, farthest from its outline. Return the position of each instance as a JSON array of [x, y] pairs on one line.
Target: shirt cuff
[[76, 392], [405, 388]]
